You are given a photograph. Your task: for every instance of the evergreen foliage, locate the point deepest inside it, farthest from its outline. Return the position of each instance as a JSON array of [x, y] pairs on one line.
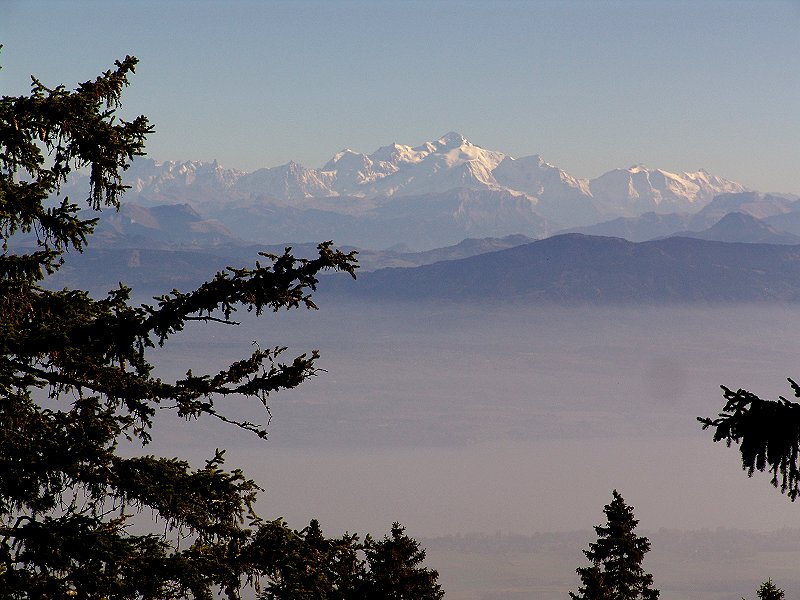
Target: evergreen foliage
[[78, 398], [769, 591], [616, 558], [395, 571], [768, 434], [306, 565]]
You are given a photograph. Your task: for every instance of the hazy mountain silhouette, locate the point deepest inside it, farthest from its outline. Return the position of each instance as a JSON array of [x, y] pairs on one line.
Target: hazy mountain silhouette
[[741, 227], [422, 222], [755, 204], [648, 226], [371, 260], [788, 222], [579, 269], [147, 264], [776, 211], [163, 226]]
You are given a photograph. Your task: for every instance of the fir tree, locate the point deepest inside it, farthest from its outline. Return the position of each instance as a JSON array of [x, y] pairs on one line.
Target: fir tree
[[769, 591], [767, 432], [396, 571], [306, 565], [616, 559], [78, 399]]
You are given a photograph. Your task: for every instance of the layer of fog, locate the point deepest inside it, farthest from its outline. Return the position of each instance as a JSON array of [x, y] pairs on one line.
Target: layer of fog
[[460, 419]]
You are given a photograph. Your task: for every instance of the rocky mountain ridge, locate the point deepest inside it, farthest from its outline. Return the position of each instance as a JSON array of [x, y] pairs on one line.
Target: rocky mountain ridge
[[353, 184]]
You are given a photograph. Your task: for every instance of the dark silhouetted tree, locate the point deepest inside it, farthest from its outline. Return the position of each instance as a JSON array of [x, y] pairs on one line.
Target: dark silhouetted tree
[[616, 572], [767, 432], [769, 591], [78, 398], [306, 565], [396, 571]]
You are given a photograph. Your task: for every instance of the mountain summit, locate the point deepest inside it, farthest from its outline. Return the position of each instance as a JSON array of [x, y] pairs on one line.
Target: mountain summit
[[637, 190], [453, 140], [448, 163], [413, 194]]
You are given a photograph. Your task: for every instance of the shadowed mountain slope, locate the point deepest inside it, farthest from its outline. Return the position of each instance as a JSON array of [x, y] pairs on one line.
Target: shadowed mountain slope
[[167, 226], [149, 265], [578, 269], [645, 227], [755, 204], [742, 227]]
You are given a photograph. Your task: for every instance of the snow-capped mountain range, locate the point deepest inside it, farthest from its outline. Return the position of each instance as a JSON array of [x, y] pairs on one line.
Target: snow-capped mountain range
[[407, 194], [451, 162]]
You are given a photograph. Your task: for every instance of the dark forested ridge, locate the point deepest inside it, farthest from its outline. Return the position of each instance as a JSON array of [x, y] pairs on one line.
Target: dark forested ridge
[[565, 269], [580, 269]]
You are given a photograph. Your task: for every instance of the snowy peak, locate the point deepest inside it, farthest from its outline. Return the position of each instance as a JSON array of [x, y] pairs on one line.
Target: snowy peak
[[534, 176], [560, 196], [176, 182], [397, 153], [639, 189], [453, 150], [435, 166], [348, 159], [452, 140], [287, 182], [349, 169], [705, 179], [447, 163]]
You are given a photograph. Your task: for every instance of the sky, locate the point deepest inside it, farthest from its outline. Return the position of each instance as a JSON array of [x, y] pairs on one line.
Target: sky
[[588, 85]]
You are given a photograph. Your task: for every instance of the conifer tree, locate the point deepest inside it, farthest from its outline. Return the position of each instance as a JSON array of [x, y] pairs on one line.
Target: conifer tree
[[616, 558], [767, 432], [396, 571], [78, 398], [306, 565], [769, 591]]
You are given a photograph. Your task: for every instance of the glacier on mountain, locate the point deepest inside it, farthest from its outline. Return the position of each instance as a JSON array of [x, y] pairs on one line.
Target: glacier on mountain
[[637, 190], [433, 176], [447, 163]]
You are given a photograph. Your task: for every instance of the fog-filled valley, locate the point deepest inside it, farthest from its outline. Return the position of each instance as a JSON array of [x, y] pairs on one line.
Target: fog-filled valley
[[460, 419]]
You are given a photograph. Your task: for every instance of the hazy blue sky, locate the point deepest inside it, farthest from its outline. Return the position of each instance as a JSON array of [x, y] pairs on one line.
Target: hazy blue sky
[[589, 85]]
